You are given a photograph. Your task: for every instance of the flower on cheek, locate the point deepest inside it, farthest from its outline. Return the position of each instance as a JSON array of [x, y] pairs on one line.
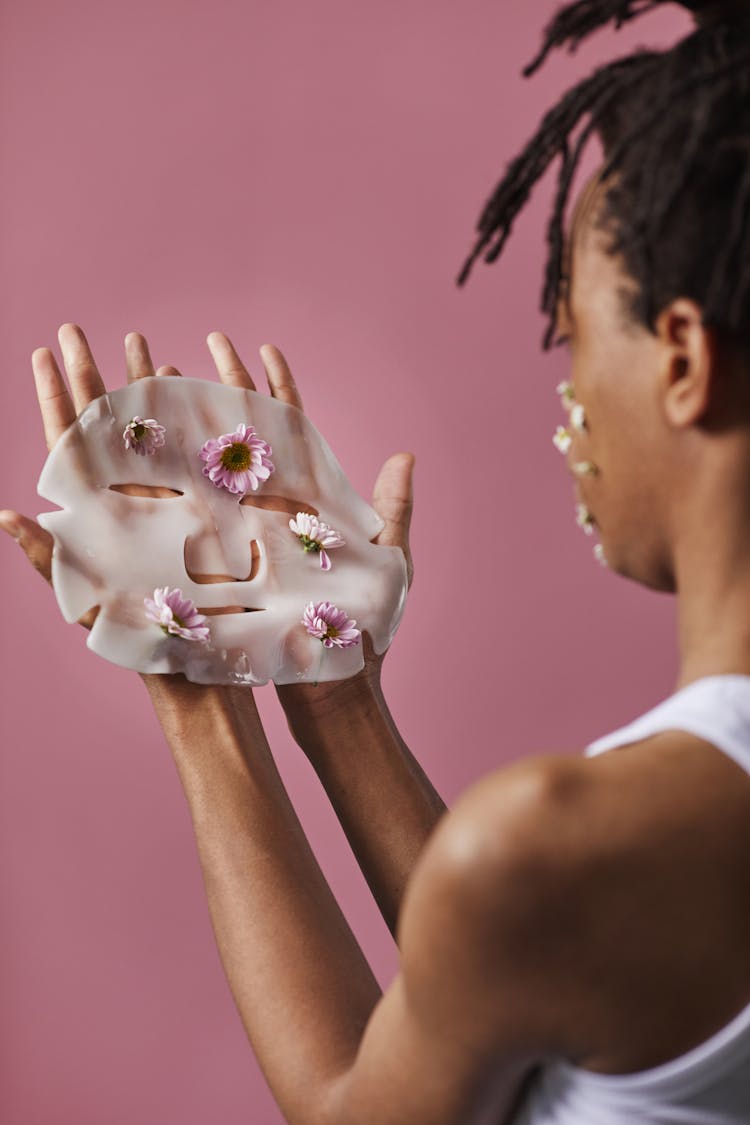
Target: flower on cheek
[[562, 439], [315, 535], [238, 461], [578, 417], [566, 393], [584, 519], [176, 614], [144, 435], [330, 625]]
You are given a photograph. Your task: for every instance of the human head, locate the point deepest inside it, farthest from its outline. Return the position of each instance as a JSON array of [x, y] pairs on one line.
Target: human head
[[659, 252], [655, 404]]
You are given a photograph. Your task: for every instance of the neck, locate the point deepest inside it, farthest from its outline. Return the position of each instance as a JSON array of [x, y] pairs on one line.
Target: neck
[[712, 567]]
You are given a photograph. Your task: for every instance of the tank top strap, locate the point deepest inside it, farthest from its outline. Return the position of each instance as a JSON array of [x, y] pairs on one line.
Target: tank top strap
[[716, 708]]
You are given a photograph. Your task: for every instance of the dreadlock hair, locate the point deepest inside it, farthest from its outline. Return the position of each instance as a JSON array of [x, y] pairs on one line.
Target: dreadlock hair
[[675, 126]]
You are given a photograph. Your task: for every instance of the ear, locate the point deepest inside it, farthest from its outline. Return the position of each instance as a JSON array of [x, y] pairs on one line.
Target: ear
[[689, 366]]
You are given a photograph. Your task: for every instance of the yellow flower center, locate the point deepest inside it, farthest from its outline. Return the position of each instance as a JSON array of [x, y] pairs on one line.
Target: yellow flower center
[[139, 431], [236, 457]]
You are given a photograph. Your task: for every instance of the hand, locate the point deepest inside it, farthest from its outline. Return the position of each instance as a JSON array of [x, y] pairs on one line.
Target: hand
[[59, 407]]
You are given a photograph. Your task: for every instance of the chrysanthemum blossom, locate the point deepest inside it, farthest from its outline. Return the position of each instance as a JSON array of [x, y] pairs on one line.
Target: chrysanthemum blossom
[[585, 468], [584, 519], [176, 614], [330, 625], [562, 439], [238, 461], [566, 393], [144, 435], [315, 535], [578, 417]]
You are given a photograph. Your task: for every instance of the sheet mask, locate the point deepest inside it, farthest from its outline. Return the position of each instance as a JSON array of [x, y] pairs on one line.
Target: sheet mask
[[112, 550]]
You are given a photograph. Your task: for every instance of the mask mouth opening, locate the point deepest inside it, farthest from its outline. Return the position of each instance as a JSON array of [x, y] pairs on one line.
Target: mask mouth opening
[[215, 611]]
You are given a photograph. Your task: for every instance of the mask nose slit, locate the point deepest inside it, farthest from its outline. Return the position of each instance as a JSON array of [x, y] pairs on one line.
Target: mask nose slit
[[203, 578]]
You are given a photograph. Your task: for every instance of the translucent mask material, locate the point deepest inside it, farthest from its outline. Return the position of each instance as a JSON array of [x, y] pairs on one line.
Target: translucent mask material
[[113, 550]]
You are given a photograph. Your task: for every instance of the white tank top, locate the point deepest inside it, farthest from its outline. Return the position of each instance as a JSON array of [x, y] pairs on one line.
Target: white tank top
[[709, 1084]]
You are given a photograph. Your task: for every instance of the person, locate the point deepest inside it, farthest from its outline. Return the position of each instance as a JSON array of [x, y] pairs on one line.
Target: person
[[573, 932]]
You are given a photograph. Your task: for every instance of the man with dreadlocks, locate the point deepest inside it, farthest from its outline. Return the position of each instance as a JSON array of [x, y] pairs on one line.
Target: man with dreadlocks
[[573, 934]]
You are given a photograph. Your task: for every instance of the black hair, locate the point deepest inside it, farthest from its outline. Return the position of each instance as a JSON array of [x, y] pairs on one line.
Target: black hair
[[675, 127]]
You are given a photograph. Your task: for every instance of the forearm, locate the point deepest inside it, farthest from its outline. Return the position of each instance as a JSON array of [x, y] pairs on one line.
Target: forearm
[[385, 802], [302, 986]]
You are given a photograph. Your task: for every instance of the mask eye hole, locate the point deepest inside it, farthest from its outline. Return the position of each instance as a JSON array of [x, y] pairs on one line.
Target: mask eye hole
[[156, 491], [278, 504]]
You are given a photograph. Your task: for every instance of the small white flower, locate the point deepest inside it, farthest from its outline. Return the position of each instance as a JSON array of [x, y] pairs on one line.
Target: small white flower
[[578, 417], [315, 535], [562, 439], [585, 468], [566, 393], [144, 435], [584, 519], [599, 554]]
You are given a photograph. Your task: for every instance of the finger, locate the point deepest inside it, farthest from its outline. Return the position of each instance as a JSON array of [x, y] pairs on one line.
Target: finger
[[55, 403], [138, 363], [167, 369], [35, 542], [393, 500], [230, 367], [85, 381], [280, 378]]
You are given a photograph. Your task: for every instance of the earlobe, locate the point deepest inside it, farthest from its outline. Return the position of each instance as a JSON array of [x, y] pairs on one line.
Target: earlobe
[[688, 366]]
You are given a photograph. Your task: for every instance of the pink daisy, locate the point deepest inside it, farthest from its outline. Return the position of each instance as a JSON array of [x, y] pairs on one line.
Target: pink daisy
[[176, 614], [144, 435], [238, 461], [315, 535], [330, 625]]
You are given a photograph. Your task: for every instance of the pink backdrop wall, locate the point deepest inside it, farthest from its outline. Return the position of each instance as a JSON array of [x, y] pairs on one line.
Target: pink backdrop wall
[[307, 175]]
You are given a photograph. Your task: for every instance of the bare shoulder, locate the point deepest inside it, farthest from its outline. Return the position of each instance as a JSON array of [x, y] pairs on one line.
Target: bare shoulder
[[575, 881], [490, 888], [528, 817]]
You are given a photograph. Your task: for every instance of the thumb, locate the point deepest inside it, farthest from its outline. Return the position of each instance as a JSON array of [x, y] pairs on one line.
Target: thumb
[[393, 500], [35, 542]]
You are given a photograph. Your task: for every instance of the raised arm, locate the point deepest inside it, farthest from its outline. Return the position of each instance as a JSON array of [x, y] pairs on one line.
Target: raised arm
[[385, 802], [382, 797]]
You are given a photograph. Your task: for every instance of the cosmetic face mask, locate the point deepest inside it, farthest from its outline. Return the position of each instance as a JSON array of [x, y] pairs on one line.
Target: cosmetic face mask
[[233, 554]]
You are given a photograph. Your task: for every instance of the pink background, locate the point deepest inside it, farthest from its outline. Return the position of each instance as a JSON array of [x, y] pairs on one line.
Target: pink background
[[307, 175]]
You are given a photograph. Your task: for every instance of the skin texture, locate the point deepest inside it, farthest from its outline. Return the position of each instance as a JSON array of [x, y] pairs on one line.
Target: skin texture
[[561, 897]]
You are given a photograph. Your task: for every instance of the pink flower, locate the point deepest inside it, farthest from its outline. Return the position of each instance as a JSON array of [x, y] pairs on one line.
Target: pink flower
[[330, 625], [237, 461], [144, 435], [176, 614], [314, 535]]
